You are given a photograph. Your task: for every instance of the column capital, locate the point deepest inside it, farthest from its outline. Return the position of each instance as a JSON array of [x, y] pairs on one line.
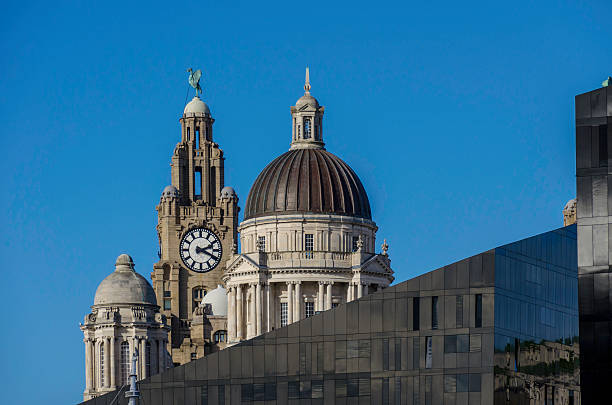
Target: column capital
[[322, 282]]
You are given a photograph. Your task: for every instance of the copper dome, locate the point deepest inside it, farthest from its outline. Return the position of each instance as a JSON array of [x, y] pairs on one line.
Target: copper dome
[[308, 181]]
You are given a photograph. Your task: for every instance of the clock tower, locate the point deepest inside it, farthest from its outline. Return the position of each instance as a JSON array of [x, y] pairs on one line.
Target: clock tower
[[197, 230]]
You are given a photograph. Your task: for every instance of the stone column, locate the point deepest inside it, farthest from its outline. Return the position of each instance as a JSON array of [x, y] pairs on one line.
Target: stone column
[[321, 297], [88, 365], [349, 292], [365, 289], [359, 290], [289, 302], [268, 309], [251, 317], [231, 314], [298, 301], [258, 309], [239, 322], [160, 356], [143, 358], [106, 363], [328, 296], [113, 360]]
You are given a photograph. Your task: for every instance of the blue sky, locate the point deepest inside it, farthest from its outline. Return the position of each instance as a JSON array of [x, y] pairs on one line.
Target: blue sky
[[458, 118]]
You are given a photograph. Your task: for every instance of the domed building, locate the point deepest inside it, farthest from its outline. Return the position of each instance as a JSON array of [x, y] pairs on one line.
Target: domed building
[[307, 239], [209, 325], [125, 316]]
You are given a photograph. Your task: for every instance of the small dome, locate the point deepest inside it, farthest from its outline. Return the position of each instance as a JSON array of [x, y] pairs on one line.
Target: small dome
[[309, 181], [228, 192], [170, 191], [125, 286], [217, 299], [197, 106], [306, 99]]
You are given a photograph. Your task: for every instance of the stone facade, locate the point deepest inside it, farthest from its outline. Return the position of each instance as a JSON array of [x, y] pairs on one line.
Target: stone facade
[[307, 241], [124, 318], [198, 199], [569, 213]]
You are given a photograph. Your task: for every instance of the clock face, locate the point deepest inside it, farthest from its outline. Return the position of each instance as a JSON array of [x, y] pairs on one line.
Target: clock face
[[201, 250]]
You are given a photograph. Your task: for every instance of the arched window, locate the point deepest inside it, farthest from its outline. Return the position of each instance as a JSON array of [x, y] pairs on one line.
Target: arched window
[[125, 362], [148, 359], [220, 336], [102, 364], [307, 128], [198, 293]]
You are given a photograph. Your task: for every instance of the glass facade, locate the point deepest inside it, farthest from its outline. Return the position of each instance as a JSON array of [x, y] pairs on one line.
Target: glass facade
[[496, 328], [536, 318]]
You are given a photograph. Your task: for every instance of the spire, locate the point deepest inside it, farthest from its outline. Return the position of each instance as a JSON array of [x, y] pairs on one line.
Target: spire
[[307, 83]]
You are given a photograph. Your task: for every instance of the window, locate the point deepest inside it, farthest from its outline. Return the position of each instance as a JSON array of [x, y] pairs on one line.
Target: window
[[355, 241], [148, 359], [270, 391], [166, 294], [125, 362], [167, 304], [309, 309], [316, 127], [334, 304], [221, 393], [308, 245], [317, 389], [198, 293], [194, 356], [434, 312], [416, 311], [457, 344], [198, 184], [220, 336], [102, 364], [261, 243], [306, 128], [188, 134], [478, 310], [283, 314], [293, 389], [197, 138], [428, 351]]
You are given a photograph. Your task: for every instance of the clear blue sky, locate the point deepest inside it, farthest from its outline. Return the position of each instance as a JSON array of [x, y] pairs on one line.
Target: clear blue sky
[[457, 116]]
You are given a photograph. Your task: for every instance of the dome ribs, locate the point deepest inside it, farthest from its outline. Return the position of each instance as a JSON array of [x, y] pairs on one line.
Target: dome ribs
[[281, 201], [308, 180], [316, 186]]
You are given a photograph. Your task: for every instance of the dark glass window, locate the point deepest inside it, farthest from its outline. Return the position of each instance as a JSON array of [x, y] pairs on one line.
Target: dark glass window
[[478, 311], [352, 387], [434, 312], [167, 294], [463, 343], [221, 393], [167, 304], [450, 344], [283, 313], [204, 395], [340, 388], [416, 313], [364, 387], [309, 308], [293, 390], [247, 392], [355, 240], [317, 389], [270, 394], [385, 391], [462, 382], [474, 382], [258, 392]]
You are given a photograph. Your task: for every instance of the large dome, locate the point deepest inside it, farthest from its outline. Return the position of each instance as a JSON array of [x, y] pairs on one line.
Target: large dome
[[308, 181], [124, 286]]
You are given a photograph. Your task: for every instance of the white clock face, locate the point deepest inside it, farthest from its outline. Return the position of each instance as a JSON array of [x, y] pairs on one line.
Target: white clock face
[[201, 250]]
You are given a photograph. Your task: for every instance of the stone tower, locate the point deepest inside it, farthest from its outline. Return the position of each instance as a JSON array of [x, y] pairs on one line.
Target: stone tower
[[197, 221]]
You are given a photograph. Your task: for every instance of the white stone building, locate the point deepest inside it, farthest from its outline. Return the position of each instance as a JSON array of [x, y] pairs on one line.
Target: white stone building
[[124, 317], [307, 239]]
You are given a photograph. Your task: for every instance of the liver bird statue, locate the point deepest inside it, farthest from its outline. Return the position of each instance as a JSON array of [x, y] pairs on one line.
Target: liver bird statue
[[194, 80]]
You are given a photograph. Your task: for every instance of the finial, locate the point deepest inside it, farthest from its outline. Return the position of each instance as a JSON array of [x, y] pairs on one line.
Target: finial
[[605, 83], [359, 243], [307, 83], [384, 247]]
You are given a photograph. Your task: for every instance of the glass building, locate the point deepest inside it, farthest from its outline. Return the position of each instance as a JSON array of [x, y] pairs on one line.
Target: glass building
[[500, 327]]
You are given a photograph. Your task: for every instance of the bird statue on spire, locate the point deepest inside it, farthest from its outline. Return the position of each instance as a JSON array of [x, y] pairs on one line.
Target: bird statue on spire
[[307, 83], [194, 79]]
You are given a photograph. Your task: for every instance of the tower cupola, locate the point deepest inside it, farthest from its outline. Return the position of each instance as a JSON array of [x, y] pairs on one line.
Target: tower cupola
[[307, 121]]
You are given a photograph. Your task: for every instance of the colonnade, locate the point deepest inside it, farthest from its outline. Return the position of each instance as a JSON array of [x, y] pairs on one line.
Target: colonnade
[[252, 306], [103, 360]]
